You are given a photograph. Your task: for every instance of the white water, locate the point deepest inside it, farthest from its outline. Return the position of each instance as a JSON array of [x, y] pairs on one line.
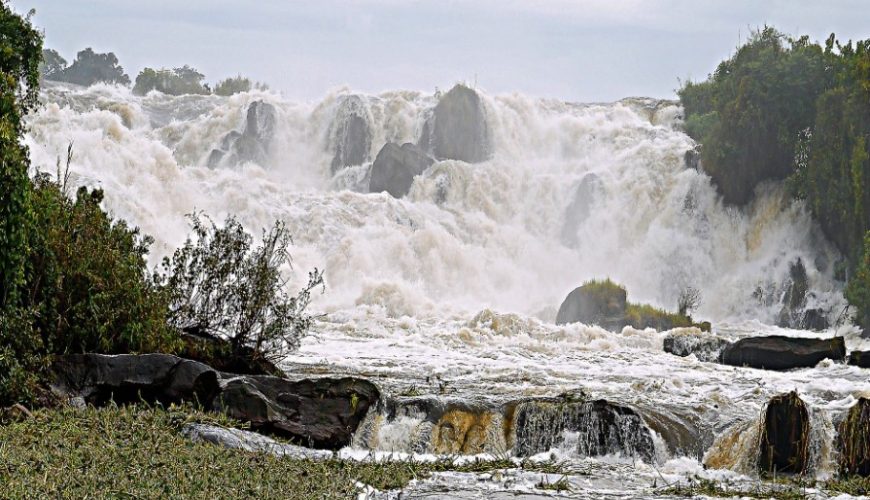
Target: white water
[[459, 282]]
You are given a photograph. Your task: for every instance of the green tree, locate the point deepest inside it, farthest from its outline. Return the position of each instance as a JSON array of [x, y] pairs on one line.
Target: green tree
[[178, 81], [52, 64], [92, 67], [858, 290]]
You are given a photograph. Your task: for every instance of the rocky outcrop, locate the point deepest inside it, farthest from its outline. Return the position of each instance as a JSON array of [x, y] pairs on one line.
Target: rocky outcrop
[[705, 346], [320, 413], [603, 427], [595, 303], [784, 444], [351, 135], [253, 143], [220, 355], [859, 358], [794, 313], [395, 167], [126, 378], [585, 196], [853, 440], [457, 129], [692, 158], [238, 439], [777, 352]]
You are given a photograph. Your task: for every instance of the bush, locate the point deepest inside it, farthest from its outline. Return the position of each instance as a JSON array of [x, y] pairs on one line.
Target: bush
[[52, 64], [858, 290], [88, 68], [219, 286], [178, 81], [237, 84]]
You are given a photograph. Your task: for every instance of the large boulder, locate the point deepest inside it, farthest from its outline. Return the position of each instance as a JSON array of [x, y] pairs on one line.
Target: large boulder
[[253, 143], [705, 346], [126, 378], [853, 440], [395, 167], [785, 436], [778, 352], [585, 196], [793, 313], [351, 135], [602, 427], [238, 439], [322, 413], [600, 303], [457, 129], [859, 358]]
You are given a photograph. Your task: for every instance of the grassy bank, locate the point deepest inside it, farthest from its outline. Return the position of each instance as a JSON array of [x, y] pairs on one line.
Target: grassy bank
[[138, 452]]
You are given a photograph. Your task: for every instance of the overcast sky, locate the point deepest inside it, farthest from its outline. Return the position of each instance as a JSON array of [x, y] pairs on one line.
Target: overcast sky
[[582, 50]]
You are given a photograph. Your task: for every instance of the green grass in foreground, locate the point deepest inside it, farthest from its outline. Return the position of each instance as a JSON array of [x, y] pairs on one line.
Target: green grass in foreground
[[138, 452], [786, 488]]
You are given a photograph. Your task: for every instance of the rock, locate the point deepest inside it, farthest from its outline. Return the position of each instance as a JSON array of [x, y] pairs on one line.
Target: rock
[[351, 135], [705, 346], [814, 319], [783, 353], [218, 353], [129, 378], [595, 303], [446, 426], [785, 436], [795, 297], [692, 158], [322, 413], [852, 440], [457, 129], [603, 427], [587, 193], [253, 143], [238, 439], [859, 358], [395, 167]]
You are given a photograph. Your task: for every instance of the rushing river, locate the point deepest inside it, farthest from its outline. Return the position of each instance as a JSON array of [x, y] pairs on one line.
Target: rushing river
[[450, 293]]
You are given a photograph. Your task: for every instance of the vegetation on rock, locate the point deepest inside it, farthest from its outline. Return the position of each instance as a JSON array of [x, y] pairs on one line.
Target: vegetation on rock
[[177, 81], [88, 68]]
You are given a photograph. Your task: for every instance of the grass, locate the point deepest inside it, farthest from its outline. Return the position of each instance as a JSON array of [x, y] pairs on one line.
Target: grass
[[138, 452], [709, 488], [558, 486]]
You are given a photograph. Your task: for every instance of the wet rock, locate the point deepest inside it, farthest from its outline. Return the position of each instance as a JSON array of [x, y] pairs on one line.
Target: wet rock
[[322, 413], [814, 319], [594, 303], [785, 436], [705, 346], [795, 297], [457, 129], [395, 167], [778, 352], [602, 427], [859, 358], [219, 354], [351, 134], [587, 193], [683, 433], [692, 158], [853, 440], [253, 143], [128, 378], [238, 439]]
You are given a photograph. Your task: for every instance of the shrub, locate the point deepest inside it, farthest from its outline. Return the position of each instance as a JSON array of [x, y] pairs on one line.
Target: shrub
[[219, 286], [858, 290], [178, 81], [88, 68], [237, 84], [52, 64]]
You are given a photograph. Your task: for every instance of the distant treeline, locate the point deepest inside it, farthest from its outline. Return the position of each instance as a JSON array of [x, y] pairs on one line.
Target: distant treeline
[[787, 109], [92, 67]]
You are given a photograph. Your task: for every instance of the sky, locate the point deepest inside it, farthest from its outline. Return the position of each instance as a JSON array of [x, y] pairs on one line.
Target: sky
[[581, 50]]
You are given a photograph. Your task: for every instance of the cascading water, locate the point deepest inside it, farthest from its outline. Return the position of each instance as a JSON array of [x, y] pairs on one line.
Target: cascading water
[[450, 293]]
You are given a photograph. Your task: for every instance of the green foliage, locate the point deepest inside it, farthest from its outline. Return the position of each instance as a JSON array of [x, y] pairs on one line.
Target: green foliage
[[237, 84], [52, 64], [20, 51], [178, 81], [88, 68], [20, 361], [219, 286], [858, 289]]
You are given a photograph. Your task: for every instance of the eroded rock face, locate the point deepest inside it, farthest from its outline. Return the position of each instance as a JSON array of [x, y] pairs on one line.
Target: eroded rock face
[[705, 346], [587, 193], [785, 436], [351, 135], [395, 167], [322, 413], [602, 427], [777, 352], [853, 440], [128, 378], [594, 304], [253, 143], [457, 129]]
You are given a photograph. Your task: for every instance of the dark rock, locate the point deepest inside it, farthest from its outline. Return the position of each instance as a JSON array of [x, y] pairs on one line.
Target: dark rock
[[585, 196], [859, 358], [351, 134], [457, 129], [785, 436], [128, 378], [853, 440], [595, 303], [783, 353], [322, 413], [395, 167], [795, 297], [218, 353], [705, 346], [603, 427], [684, 433], [692, 158], [253, 143], [814, 319]]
